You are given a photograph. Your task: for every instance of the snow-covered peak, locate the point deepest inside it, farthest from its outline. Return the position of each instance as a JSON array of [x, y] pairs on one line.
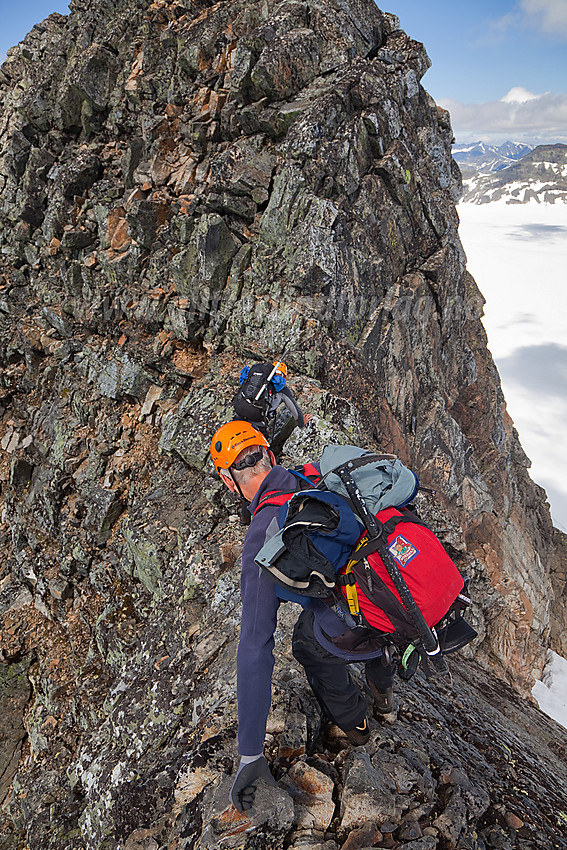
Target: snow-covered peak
[[540, 176], [480, 157], [518, 94]]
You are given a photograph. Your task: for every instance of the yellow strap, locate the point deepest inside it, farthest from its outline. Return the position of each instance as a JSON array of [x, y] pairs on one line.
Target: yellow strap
[[350, 589], [351, 592], [350, 564], [352, 599]]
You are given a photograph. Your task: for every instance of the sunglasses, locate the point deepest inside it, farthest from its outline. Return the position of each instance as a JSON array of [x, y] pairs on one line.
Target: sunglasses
[[249, 461]]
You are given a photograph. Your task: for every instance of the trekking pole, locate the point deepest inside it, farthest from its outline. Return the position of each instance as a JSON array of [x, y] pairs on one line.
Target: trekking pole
[[268, 379], [426, 636]]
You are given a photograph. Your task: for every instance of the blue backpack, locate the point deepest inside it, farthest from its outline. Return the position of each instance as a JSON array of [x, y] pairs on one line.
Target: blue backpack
[[319, 528], [318, 531]]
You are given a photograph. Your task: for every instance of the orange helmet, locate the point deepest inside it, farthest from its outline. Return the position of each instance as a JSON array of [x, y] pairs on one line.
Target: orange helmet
[[282, 368], [230, 439]]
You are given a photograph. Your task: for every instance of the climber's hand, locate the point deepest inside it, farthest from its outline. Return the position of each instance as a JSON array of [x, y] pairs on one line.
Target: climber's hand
[[244, 785]]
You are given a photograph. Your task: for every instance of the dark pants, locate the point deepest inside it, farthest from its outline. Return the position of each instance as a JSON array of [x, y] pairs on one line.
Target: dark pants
[[329, 676]]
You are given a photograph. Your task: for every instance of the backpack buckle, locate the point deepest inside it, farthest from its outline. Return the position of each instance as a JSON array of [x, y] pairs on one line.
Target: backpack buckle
[[346, 580]]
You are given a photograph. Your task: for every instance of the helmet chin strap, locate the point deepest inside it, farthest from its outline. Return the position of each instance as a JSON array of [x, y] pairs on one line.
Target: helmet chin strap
[[242, 496]]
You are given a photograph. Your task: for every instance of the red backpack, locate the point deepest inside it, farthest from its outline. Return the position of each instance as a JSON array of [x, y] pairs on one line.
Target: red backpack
[[398, 579], [430, 575]]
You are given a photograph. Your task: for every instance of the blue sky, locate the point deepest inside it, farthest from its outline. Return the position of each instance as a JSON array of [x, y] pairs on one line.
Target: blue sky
[[488, 50], [480, 51]]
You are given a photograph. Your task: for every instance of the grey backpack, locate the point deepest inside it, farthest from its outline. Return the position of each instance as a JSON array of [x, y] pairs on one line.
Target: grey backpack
[[383, 480]]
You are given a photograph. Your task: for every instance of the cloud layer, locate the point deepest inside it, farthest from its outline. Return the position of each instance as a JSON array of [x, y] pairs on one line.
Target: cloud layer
[[541, 118], [517, 255], [550, 16]]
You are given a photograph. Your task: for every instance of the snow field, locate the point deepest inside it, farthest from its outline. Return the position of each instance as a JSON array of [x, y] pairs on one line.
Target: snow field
[[518, 257]]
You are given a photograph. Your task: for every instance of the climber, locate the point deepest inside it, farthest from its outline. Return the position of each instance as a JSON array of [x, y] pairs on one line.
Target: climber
[[262, 390], [321, 642]]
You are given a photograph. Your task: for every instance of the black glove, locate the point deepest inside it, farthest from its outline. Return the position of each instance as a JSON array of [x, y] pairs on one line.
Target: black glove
[[244, 785]]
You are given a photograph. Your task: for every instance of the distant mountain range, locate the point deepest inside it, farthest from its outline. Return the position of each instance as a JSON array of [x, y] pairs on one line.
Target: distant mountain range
[[539, 175], [478, 157]]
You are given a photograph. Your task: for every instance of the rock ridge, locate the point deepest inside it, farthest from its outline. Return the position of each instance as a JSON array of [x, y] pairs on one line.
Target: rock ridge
[[184, 186]]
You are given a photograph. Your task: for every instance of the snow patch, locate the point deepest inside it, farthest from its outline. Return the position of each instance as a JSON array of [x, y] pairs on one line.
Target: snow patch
[[551, 692]]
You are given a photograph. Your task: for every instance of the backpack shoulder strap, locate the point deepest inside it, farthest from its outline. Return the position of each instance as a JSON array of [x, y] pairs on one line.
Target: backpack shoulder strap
[[273, 497], [386, 528], [305, 473]]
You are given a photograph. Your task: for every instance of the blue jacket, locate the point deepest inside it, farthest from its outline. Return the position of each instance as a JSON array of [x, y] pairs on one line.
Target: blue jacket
[[260, 605]]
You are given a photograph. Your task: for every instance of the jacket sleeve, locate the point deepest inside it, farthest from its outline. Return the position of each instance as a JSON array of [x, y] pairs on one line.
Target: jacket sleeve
[[292, 405], [255, 659]]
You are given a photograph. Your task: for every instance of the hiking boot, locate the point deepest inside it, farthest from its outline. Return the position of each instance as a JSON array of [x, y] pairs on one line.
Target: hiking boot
[[383, 701], [360, 734]]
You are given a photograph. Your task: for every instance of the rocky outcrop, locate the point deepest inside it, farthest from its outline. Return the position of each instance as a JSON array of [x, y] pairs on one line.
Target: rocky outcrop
[[558, 619], [184, 186]]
